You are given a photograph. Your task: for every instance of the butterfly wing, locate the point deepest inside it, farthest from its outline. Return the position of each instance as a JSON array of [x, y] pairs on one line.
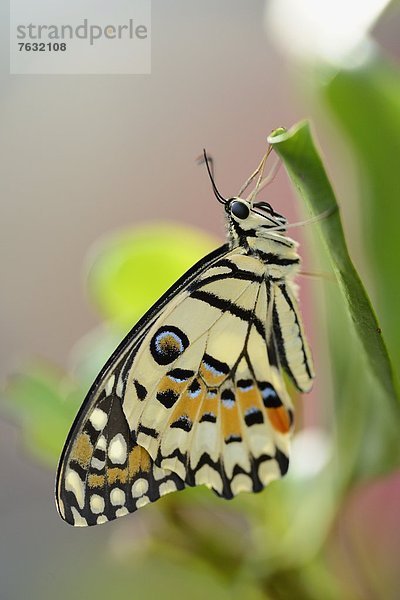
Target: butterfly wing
[[193, 396], [295, 356], [105, 474], [87, 475], [220, 415]]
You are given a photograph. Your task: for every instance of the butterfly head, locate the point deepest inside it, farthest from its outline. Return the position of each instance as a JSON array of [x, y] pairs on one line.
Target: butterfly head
[[253, 214], [247, 218]]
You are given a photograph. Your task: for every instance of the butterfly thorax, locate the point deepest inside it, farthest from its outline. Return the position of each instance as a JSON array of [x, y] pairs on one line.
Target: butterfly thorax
[[257, 236]]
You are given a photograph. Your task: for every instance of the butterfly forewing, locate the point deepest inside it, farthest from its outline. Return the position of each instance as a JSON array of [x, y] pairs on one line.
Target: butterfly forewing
[[84, 468]]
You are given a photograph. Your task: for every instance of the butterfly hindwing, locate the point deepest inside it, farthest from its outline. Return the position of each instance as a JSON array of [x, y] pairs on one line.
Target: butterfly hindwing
[[288, 331], [205, 417]]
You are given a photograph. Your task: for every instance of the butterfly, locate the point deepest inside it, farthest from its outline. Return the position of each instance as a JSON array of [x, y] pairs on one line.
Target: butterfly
[[195, 394]]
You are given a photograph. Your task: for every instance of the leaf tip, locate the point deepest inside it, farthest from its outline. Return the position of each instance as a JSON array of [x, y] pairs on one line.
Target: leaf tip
[[281, 134], [276, 133]]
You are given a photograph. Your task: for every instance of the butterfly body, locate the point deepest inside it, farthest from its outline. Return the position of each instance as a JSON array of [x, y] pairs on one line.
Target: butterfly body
[[194, 395]]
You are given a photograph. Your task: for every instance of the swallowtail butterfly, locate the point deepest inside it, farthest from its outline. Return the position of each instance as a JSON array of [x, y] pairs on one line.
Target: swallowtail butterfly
[[194, 395]]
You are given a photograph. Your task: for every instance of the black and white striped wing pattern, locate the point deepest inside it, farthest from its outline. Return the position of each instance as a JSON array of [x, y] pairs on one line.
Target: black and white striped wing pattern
[[194, 396], [92, 484], [294, 354]]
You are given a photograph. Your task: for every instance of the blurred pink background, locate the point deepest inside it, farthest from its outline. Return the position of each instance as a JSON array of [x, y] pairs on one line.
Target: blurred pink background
[[84, 155]]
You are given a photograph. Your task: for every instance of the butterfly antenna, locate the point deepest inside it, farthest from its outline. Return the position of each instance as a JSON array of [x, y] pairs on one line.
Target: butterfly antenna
[[207, 160]]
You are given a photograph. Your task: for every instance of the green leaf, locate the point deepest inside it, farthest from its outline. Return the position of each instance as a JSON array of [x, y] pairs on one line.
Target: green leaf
[[366, 104], [305, 168]]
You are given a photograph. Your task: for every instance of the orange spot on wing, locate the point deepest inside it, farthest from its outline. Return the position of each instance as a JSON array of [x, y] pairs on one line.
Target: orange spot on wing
[[96, 481], [115, 474], [188, 405], [82, 450], [167, 383], [210, 405], [139, 460], [231, 424], [249, 399], [211, 379], [279, 419]]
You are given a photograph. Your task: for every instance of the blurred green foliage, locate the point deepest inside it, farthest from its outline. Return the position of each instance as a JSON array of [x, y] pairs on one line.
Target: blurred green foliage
[[366, 103], [134, 268], [127, 272], [44, 401], [275, 545], [357, 400]]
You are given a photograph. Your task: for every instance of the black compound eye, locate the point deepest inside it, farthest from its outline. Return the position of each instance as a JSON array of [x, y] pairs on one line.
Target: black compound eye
[[240, 209]]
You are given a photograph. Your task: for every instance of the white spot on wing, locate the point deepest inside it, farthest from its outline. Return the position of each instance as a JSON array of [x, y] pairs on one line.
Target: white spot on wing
[[117, 451], [121, 512], [101, 519], [268, 471], [98, 419], [241, 483], [175, 465], [194, 394], [117, 497], [210, 478], [172, 439], [74, 484], [206, 438], [260, 440], [159, 473], [142, 501], [96, 504], [101, 443], [235, 454], [98, 464], [140, 487], [167, 487]]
